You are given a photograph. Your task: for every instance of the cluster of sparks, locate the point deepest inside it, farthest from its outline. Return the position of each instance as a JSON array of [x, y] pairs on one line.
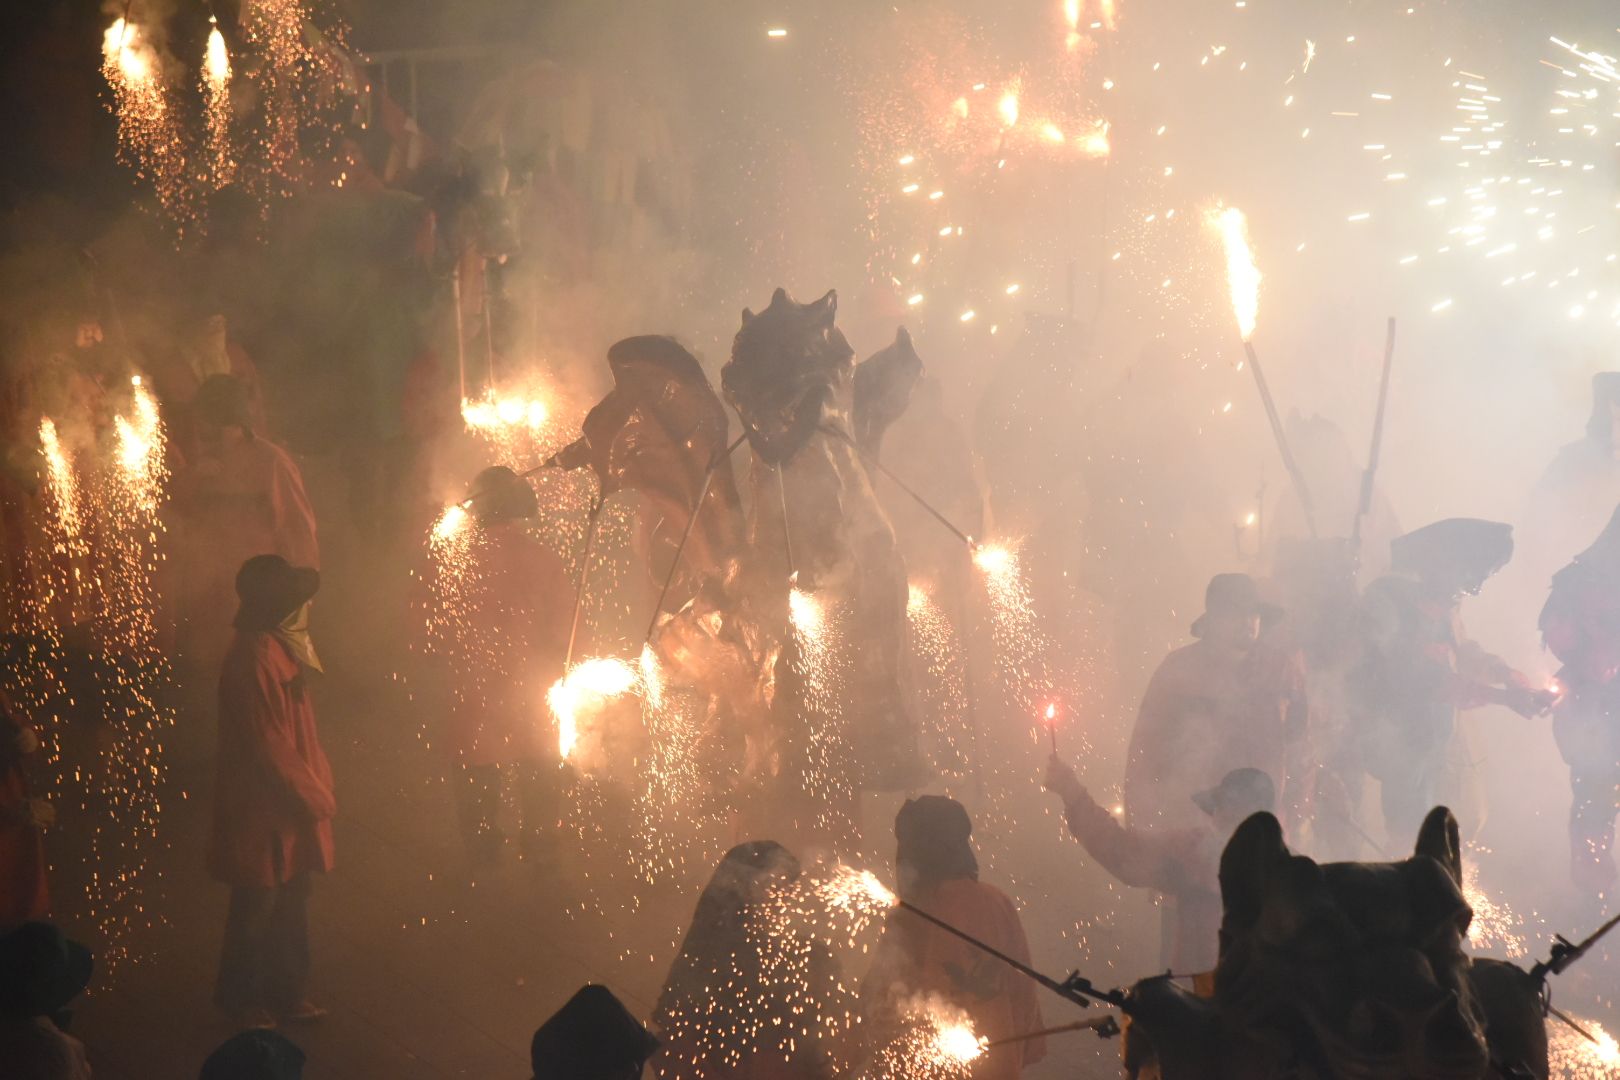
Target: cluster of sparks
[[216, 94], [581, 694], [1495, 925], [150, 137], [1571, 1056], [516, 428], [1021, 647], [943, 683], [935, 1041], [113, 494]]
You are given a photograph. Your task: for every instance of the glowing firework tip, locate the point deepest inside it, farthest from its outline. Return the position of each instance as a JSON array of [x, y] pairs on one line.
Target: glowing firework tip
[[505, 412], [587, 687], [1242, 275], [450, 523], [994, 560]]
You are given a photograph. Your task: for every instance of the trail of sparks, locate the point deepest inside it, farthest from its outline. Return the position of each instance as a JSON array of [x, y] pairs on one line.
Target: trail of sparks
[[216, 93], [63, 486], [1495, 925], [1242, 276], [943, 688], [1571, 1057], [1021, 648], [517, 428], [587, 687], [149, 136], [936, 1041]]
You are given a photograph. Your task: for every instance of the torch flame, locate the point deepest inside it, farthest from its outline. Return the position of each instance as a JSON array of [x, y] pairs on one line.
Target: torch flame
[[589, 685], [124, 48], [994, 560], [64, 489], [451, 522], [1242, 276], [217, 65], [957, 1042], [1009, 107]]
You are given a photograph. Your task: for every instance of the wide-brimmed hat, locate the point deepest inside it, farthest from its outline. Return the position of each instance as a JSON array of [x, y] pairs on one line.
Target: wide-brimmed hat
[[1233, 594], [593, 1035], [1462, 552], [1250, 787], [270, 588], [499, 494], [41, 970]]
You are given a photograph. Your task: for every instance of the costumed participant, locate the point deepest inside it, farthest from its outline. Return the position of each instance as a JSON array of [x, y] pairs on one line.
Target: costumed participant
[[593, 1037], [24, 894], [503, 650], [1583, 481], [1180, 863], [937, 871], [41, 972], [273, 801], [724, 1014], [1580, 625], [1227, 701], [1419, 667], [238, 495]]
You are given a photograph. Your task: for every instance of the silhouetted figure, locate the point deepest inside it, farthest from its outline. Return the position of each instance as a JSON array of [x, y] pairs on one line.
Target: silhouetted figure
[[254, 1055], [593, 1037], [1580, 625], [41, 972], [24, 893], [731, 1009]]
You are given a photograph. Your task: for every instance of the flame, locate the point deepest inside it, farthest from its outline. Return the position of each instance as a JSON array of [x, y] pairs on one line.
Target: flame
[[451, 522], [140, 449], [1071, 13], [1051, 713], [957, 1042], [217, 64], [125, 49], [1108, 14], [1095, 142], [994, 560], [1242, 276], [64, 488], [807, 614], [588, 686], [1008, 107], [506, 412]]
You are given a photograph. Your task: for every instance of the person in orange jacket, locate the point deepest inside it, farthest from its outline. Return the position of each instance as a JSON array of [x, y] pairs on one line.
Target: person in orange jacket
[[916, 961], [273, 800]]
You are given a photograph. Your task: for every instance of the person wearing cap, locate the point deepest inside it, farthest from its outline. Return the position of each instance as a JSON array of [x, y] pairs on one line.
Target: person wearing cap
[[937, 871], [1420, 668], [236, 495], [505, 614], [1183, 864], [41, 972], [273, 800], [1229, 700], [592, 1037]]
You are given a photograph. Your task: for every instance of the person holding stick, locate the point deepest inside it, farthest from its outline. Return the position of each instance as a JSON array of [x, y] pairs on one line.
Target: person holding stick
[[938, 873]]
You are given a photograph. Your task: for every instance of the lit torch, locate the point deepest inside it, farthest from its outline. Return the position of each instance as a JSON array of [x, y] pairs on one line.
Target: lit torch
[[216, 85], [1243, 283], [588, 686]]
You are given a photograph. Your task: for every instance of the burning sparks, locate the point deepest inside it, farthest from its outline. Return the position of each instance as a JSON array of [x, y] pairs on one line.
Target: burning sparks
[[1495, 926], [140, 450], [854, 898], [1008, 108], [935, 1041], [517, 427], [585, 690], [149, 138], [216, 91], [943, 686], [1573, 1057], [63, 486], [1242, 275]]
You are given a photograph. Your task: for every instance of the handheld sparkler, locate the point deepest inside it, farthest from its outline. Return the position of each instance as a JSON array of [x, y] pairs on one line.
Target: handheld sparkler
[[1051, 725]]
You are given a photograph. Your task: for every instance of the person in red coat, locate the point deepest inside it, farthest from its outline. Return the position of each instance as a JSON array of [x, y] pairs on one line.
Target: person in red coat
[[24, 895], [504, 650], [273, 802], [917, 962], [1580, 625]]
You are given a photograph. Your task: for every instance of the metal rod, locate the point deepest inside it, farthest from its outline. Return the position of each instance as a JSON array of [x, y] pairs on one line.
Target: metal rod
[[1076, 994], [1100, 1022], [489, 333], [1364, 505], [1582, 1032], [787, 531], [1277, 433], [461, 335], [579, 590], [686, 533], [874, 463]]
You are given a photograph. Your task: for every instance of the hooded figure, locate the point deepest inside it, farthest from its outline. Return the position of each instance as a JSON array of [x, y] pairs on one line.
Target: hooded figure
[[1580, 625], [916, 960], [236, 496], [1419, 668], [273, 801], [735, 1005], [593, 1037], [41, 972], [499, 622]]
